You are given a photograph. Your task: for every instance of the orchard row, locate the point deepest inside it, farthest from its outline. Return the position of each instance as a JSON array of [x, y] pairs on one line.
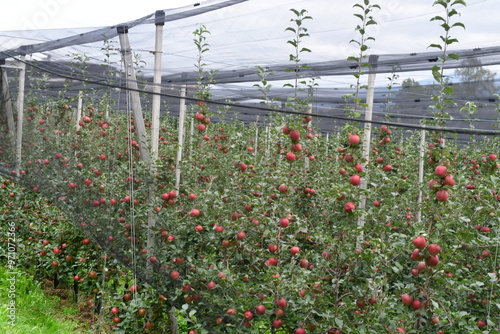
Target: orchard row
[[276, 229]]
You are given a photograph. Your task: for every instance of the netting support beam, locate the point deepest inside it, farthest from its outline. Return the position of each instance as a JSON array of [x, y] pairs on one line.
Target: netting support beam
[[7, 100], [134, 92]]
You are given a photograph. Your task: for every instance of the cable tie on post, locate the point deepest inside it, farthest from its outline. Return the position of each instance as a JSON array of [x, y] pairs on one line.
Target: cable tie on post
[[159, 18], [122, 29]]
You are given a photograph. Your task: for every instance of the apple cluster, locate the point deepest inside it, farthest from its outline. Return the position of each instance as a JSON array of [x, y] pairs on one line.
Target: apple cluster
[[384, 139], [444, 179], [200, 116], [429, 253]]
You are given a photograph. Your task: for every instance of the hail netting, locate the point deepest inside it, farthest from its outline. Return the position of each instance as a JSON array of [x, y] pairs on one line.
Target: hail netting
[[80, 146]]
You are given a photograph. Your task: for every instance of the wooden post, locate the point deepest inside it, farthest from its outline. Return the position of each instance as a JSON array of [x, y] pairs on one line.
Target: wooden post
[[20, 114], [7, 99], [180, 137], [134, 92], [367, 137]]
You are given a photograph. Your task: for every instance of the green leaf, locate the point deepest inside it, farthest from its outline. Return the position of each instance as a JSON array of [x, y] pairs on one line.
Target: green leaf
[[440, 2], [339, 322], [438, 18], [445, 26], [436, 46], [454, 56], [296, 12], [458, 24], [448, 90], [291, 29], [459, 2], [359, 16]]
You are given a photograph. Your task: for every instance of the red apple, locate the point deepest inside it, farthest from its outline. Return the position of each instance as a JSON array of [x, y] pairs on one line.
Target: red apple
[[434, 185], [353, 139], [281, 302], [406, 299], [433, 249], [442, 195], [294, 135], [420, 242], [272, 248], [284, 222], [355, 180], [441, 171], [349, 206], [432, 261], [261, 309], [295, 250], [448, 180], [290, 156], [195, 213]]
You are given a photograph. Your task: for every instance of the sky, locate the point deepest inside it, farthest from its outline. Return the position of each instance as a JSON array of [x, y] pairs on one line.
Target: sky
[[403, 27], [49, 14]]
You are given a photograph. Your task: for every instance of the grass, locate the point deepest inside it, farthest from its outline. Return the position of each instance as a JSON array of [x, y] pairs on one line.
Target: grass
[[35, 311]]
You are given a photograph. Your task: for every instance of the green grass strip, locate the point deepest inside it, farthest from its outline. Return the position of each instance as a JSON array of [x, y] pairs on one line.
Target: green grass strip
[[35, 313]]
